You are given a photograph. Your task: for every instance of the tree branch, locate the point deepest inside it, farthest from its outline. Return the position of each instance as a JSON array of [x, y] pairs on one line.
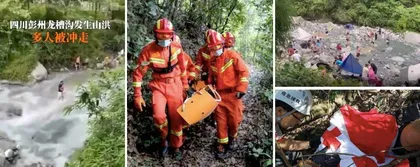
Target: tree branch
[[230, 12]]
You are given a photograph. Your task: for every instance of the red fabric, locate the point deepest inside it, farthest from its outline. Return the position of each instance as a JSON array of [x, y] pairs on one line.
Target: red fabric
[[291, 51], [330, 139], [339, 47], [364, 162], [371, 131], [404, 163]]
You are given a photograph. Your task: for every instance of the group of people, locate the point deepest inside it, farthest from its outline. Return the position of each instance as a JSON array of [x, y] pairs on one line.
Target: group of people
[[173, 75], [398, 133], [369, 74]]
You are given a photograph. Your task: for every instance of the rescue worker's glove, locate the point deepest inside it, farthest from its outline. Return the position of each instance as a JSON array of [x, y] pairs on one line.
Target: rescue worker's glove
[[239, 95], [192, 82], [139, 103], [204, 76], [189, 91]]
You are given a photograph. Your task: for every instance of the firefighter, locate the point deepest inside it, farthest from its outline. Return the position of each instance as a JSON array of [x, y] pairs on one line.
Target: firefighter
[[202, 60], [229, 40], [165, 59], [229, 74], [291, 106], [188, 63]]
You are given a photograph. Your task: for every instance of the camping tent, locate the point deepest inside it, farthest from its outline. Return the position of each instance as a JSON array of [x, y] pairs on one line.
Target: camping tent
[[352, 65], [300, 34], [411, 73], [349, 26]]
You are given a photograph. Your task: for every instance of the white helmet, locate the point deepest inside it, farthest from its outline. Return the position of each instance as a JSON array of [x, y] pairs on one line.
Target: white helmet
[[18, 147], [300, 100]]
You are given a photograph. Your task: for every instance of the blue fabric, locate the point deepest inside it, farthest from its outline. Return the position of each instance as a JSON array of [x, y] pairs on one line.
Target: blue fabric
[[351, 64], [339, 62]]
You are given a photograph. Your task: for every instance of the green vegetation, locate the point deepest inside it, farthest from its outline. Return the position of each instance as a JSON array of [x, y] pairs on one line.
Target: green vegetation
[[19, 68], [296, 74], [106, 143], [17, 44], [400, 15], [251, 23], [283, 22]]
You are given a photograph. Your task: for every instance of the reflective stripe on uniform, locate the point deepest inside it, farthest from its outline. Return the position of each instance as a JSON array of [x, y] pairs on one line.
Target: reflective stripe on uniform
[[192, 74], [198, 67], [244, 79], [227, 65], [206, 56], [175, 55], [214, 68], [224, 140], [157, 60], [137, 84], [144, 63], [176, 133], [164, 124]]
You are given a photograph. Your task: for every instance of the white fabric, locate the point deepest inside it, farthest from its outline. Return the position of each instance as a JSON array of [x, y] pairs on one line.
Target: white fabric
[[296, 57], [60, 95], [301, 35], [346, 146]]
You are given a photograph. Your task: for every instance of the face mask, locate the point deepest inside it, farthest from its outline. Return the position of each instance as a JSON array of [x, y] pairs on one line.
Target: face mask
[[164, 43], [219, 52]]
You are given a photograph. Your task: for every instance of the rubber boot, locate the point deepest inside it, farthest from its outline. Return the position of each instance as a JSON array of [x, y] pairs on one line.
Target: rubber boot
[[177, 154], [232, 144], [221, 151], [165, 149]]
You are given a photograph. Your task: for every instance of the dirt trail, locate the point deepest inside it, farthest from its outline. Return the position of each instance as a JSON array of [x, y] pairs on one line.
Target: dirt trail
[[255, 130]]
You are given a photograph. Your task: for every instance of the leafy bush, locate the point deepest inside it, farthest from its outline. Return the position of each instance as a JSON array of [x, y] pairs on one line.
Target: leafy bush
[[296, 74], [55, 56], [20, 68], [399, 15], [104, 100]]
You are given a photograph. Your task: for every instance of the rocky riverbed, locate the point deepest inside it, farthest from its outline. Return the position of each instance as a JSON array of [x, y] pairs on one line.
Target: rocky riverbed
[[402, 52], [33, 117]]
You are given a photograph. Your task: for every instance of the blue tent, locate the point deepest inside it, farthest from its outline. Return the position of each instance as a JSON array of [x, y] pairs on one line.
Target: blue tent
[[348, 26], [351, 64]]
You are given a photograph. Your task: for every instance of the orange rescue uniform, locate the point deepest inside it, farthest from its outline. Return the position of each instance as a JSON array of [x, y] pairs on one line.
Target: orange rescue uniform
[[202, 60], [167, 87], [229, 74]]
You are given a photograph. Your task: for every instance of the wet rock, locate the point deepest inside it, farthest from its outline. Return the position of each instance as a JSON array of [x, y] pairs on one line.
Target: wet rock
[[389, 49], [8, 110], [395, 71], [412, 37], [39, 73], [333, 46], [99, 65], [398, 60]]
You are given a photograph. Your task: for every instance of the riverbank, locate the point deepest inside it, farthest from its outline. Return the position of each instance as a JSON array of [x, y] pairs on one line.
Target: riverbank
[[390, 59]]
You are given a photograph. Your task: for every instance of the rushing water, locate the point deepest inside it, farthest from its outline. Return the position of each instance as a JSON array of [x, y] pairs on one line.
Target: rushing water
[[44, 132]]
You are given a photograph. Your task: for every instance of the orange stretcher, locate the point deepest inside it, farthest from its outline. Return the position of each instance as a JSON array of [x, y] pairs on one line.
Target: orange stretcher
[[200, 105], [199, 85]]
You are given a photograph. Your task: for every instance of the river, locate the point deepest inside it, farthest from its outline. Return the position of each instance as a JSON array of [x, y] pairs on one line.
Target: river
[[46, 135]]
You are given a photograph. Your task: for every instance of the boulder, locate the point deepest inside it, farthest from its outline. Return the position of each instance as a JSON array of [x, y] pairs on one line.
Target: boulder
[[99, 65], [395, 71], [398, 60], [412, 37], [39, 73]]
